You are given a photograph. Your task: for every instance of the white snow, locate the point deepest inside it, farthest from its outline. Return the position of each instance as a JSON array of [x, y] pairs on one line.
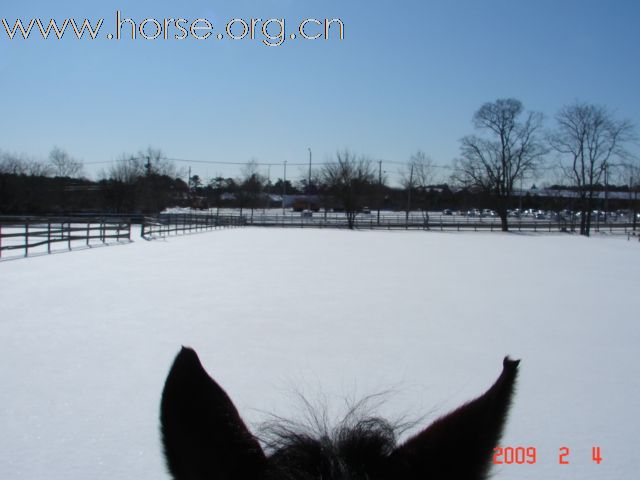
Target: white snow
[[87, 338]]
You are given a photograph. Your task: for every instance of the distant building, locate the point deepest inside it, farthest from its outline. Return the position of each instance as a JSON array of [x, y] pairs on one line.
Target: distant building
[[302, 202]]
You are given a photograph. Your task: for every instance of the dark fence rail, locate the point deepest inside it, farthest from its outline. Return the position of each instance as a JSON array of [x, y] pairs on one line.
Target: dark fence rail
[[29, 235], [435, 222], [175, 223], [182, 223]]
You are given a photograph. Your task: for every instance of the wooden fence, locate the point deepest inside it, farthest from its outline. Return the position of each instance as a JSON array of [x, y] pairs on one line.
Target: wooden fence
[[439, 222], [180, 223], [31, 235], [37, 235], [183, 223]]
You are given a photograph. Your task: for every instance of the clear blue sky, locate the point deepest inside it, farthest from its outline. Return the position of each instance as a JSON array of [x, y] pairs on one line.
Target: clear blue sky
[[408, 75]]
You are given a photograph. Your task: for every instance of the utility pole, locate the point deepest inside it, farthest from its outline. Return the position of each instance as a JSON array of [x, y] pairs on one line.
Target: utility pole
[[309, 183], [268, 186], [409, 197], [606, 191], [379, 188], [520, 197], [284, 186], [633, 201], [309, 177]]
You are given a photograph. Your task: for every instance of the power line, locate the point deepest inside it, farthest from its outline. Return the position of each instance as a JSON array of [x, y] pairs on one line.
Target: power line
[[262, 164]]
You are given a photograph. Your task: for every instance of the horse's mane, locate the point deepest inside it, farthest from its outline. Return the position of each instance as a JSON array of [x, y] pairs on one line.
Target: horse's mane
[[359, 437]]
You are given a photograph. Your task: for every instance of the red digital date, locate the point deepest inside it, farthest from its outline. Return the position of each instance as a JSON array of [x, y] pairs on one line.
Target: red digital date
[[528, 455], [517, 455]]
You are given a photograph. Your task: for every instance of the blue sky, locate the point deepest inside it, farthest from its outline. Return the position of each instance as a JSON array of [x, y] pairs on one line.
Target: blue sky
[[408, 75]]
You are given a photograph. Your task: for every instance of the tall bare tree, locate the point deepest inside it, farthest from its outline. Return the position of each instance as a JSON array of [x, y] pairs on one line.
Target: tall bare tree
[[416, 178], [144, 182], [126, 169], [510, 149], [251, 186], [20, 164], [12, 164], [350, 180], [63, 164], [589, 139], [157, 163]]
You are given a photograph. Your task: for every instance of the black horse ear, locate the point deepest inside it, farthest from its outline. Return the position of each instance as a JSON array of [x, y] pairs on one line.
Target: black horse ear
[[459, 446], [204, 437]]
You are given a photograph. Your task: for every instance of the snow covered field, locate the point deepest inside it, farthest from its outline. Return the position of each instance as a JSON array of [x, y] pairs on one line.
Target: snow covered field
[[87, 338]]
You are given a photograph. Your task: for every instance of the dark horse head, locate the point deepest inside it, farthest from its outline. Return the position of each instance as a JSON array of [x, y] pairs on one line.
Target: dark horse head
[[205, 438]]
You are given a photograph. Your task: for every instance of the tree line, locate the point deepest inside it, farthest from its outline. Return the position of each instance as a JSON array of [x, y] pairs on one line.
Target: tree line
[[586, 146]]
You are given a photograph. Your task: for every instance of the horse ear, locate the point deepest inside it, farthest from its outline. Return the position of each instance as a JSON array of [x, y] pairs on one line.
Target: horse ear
[[460, 445], [203, 434]]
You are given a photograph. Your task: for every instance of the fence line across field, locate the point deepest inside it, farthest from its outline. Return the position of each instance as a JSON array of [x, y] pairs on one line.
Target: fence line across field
[[29, 233], [40, 234], [173, 223], [177, 223]]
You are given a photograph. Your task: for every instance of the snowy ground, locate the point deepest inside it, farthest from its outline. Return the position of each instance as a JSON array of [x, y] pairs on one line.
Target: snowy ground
[[87, 338]]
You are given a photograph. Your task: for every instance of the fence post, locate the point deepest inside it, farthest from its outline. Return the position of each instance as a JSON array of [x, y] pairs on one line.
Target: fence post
[[26, 238], [49, 237], [69, 235], [88, 231]]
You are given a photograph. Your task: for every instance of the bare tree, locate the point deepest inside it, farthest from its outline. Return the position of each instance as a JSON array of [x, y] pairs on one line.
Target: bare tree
[[19, 164], [251, 186], [127, 169], [11, 164], [590, 139], [493, 164], [157, 163], [63, 164], [350, 180], [416, 178], [36, 168], [120, 183]]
